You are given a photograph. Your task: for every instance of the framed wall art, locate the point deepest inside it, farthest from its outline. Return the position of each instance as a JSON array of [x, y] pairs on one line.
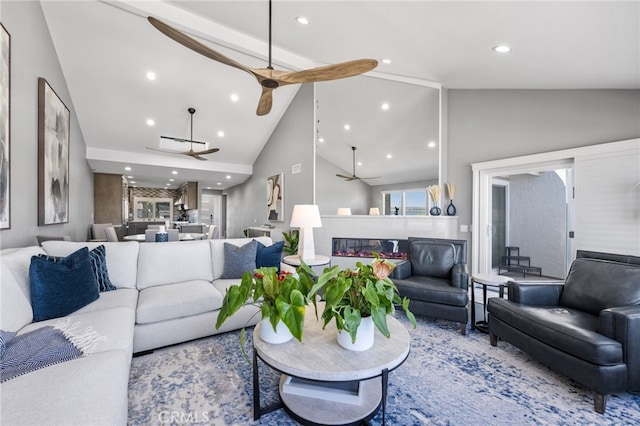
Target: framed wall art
[[275, 198], [53, 156], [5, 128]]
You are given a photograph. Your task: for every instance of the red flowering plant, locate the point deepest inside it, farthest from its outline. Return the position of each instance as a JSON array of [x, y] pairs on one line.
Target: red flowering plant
[[351, 295], [282, 296]]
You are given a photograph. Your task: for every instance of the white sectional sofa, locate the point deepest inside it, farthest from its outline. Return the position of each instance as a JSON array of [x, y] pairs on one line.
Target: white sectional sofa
[[166, 293]]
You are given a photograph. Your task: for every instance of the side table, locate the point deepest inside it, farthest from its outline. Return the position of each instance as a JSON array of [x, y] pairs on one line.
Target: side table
[[318, 260], [485, 280]]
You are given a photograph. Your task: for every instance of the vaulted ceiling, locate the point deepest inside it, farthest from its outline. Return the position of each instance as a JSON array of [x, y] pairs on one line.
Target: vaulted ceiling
[[106, 50]]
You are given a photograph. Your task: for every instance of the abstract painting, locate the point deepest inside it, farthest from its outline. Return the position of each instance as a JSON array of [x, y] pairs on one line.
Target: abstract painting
[[275, 198], [5, 128], [53, 157]]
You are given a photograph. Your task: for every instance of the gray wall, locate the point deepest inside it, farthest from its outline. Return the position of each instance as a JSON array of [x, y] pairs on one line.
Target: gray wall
[[537, 220], [333, 192], [494, 124], [290, 143], [33, 56]]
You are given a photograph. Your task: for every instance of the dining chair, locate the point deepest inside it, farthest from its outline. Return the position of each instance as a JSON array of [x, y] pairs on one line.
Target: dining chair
[[111, 234], [156, 227], [174, 234], [150, 235], [43, 238], [98, 231], [212, 229]]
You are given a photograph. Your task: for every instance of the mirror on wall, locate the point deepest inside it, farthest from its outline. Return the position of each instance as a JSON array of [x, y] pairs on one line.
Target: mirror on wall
[[394, 126]]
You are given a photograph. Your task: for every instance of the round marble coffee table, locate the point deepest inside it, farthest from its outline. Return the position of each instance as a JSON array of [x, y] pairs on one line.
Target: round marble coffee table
[[322, 382]]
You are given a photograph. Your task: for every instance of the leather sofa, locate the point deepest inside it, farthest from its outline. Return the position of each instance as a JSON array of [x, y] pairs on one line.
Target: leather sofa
[[435, 278], [587, 328], [166, 293]]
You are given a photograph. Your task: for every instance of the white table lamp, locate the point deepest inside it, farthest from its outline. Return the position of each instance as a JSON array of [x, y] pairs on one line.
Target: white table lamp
[[374, 211], [306, 217], [344, 211]]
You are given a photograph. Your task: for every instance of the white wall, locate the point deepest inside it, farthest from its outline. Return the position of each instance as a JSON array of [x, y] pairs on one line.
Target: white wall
[[333, 192], [495, 124], [290, 143], [33, 56]]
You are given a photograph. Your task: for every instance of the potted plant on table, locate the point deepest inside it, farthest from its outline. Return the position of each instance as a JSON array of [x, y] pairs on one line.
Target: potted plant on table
[[360, 299], [282, 297]]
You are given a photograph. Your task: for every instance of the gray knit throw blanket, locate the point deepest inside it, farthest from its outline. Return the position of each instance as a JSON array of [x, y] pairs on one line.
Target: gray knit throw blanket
[[43, 347]]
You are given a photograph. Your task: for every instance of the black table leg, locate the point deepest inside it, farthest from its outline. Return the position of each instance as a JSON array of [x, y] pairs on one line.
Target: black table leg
[[256, 388], [385, 383]]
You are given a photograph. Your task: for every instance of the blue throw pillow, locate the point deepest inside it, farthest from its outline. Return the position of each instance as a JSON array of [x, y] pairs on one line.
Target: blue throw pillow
[[63, 286], [269, 256], [99, 265], [238, 260]]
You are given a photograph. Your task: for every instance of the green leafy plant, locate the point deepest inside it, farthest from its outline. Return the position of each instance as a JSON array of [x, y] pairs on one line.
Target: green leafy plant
[[291, 239], [282, 296], [351, 295]]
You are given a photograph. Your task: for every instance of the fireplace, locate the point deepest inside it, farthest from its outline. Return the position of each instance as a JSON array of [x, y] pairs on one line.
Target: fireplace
[[365, 247]]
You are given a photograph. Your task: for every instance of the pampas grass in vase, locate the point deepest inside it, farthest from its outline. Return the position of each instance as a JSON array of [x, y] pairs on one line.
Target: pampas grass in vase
[[434, 193], [451, 190]]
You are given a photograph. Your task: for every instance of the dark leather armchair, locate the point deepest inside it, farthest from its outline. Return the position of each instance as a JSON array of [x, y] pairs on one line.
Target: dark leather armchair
[[587, 328], [435, 278]]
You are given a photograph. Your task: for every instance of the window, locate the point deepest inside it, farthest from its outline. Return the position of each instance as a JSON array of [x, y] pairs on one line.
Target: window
[[411, 202]]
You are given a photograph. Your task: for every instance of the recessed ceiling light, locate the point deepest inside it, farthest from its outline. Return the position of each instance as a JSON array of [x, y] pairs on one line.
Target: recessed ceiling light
[[220, 134], [129, 177], [208, 187], [347, 127], [234, 97], [386, 61], [133, 181], [385, 106], [302, 20], [431, 144], [168, 184], [128, 168], [228, 176], [502, 49], [150, 122], [171, 180], [174, 172], [389, 156], [320, 139], [151, 75], [359, 163], [219, 183]]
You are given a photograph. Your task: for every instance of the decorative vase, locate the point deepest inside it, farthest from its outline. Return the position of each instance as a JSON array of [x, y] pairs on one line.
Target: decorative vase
[[281, 335], [364, 336], [435, 211], [451, 209]]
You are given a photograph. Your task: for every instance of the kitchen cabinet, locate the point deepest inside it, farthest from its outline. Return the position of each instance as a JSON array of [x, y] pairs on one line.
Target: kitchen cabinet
[[110, 201], [189, 195]]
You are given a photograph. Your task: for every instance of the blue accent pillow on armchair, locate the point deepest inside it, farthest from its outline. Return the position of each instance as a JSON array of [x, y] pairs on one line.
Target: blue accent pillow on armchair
[[269, 256], [62, 286]]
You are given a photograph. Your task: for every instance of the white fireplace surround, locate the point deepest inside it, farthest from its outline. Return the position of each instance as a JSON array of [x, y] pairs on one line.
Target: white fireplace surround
[[382, 227]]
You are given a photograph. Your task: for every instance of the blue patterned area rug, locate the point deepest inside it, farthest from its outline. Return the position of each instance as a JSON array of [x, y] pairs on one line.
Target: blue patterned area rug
[[448, 379]]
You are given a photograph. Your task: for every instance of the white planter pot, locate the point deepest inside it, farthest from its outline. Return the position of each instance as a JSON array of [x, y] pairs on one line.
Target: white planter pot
[[281, 335], [364, 336]]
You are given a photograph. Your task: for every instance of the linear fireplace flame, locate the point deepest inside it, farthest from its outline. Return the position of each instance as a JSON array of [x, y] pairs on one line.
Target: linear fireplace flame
[[365, 247]]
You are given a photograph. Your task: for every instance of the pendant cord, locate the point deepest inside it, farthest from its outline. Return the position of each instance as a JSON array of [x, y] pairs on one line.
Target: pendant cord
[[270, 67], [354, 160]]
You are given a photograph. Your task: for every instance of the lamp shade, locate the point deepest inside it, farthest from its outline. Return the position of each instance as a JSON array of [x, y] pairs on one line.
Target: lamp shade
[[306, 216], [344, 211], [374, 211]]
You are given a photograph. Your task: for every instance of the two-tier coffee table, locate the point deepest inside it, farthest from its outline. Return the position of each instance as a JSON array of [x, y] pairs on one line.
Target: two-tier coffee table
[[320, 360]]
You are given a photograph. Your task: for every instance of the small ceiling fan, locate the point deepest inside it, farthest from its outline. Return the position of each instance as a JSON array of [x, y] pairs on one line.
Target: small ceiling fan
[[270, 78], [354, 177], [191, 153]]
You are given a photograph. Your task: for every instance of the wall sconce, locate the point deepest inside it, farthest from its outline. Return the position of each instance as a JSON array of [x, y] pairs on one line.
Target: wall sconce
[[344, 211], [306, 217], [374, 211]]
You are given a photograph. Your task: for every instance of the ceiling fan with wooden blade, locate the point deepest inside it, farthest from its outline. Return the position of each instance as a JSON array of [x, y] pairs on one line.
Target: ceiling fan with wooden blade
[[270, 78], [191, 153], [353, 176]]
